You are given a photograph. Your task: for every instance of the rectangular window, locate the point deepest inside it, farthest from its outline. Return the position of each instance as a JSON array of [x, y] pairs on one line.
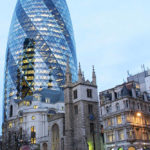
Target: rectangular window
[[90, 109], [21, 119], [91, 128], [89, 93], [76, 109], [119, 119], [10, 125], [120, 135], [47, 100], [110, 136], [35, 106], [75, 94], [33, 135], [109, 122]]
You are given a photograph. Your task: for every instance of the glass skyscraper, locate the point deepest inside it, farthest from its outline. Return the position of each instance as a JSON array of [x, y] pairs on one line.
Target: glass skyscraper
[[40, 42]]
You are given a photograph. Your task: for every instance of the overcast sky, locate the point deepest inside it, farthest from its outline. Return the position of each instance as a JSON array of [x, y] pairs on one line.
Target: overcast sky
[[113, 35]]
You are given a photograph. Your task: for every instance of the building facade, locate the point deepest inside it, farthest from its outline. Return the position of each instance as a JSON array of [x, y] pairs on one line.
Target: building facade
[[40, 42], [143, 78], [125, 117], [73, 126]]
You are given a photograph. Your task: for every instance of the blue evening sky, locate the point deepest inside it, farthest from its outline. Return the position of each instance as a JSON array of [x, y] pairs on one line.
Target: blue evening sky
[[113, 35]]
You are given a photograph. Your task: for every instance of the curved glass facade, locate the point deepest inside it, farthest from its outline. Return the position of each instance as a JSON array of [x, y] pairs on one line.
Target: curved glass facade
[[40, 41]]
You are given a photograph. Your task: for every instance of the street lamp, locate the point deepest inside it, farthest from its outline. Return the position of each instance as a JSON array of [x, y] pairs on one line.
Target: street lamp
[[138, 114]]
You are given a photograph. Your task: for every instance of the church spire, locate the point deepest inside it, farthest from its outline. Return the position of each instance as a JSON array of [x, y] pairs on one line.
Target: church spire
[[80, 79], [68, 73], [93, 76]]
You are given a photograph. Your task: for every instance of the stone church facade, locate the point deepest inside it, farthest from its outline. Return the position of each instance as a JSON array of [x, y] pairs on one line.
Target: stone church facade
[[72, 125]]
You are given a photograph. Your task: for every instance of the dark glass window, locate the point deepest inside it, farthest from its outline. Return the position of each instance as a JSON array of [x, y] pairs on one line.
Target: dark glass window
[[11, 111], [75, 94], [76, 109], [89, 93], [117, 106], [90, 108], [91, 127]]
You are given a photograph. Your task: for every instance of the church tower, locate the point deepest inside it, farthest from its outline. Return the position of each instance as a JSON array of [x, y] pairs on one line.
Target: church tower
[[82, 114]]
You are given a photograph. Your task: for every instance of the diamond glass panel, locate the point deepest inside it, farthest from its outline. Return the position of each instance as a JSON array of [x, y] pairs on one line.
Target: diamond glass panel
[[40, 41]]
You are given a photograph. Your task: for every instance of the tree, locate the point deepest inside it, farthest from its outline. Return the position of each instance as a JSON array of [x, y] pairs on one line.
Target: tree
[[14, 139]]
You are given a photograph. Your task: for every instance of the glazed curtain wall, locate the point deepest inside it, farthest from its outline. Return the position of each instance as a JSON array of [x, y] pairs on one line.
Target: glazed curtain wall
[[39, 43]]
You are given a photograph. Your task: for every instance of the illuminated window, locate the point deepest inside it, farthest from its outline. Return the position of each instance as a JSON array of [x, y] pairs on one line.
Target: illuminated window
[[21, 120], [35, 106], [121, 135], [33, 117], [33, 135], [109, 122], [119, 119], [27, 103], [10, 125], [47, 100], [110, 136]]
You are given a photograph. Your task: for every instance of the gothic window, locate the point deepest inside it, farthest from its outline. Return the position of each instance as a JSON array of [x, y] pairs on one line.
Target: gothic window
[[11, 111], [76, 109], [75, 94], [44, 146], [90, 108], [55, 137], [89, 93]]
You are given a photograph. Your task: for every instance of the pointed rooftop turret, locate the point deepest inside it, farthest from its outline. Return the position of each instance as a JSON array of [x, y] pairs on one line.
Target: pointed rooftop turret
[[80, 79], [83, 78], [93, 76], [68, 73]]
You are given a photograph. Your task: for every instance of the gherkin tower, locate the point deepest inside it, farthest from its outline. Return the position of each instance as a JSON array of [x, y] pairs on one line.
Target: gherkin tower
[[39, 43]]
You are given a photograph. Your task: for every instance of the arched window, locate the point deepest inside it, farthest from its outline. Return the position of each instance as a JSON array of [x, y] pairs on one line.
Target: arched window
[[44, 146], [11, 111], [55, 137]]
